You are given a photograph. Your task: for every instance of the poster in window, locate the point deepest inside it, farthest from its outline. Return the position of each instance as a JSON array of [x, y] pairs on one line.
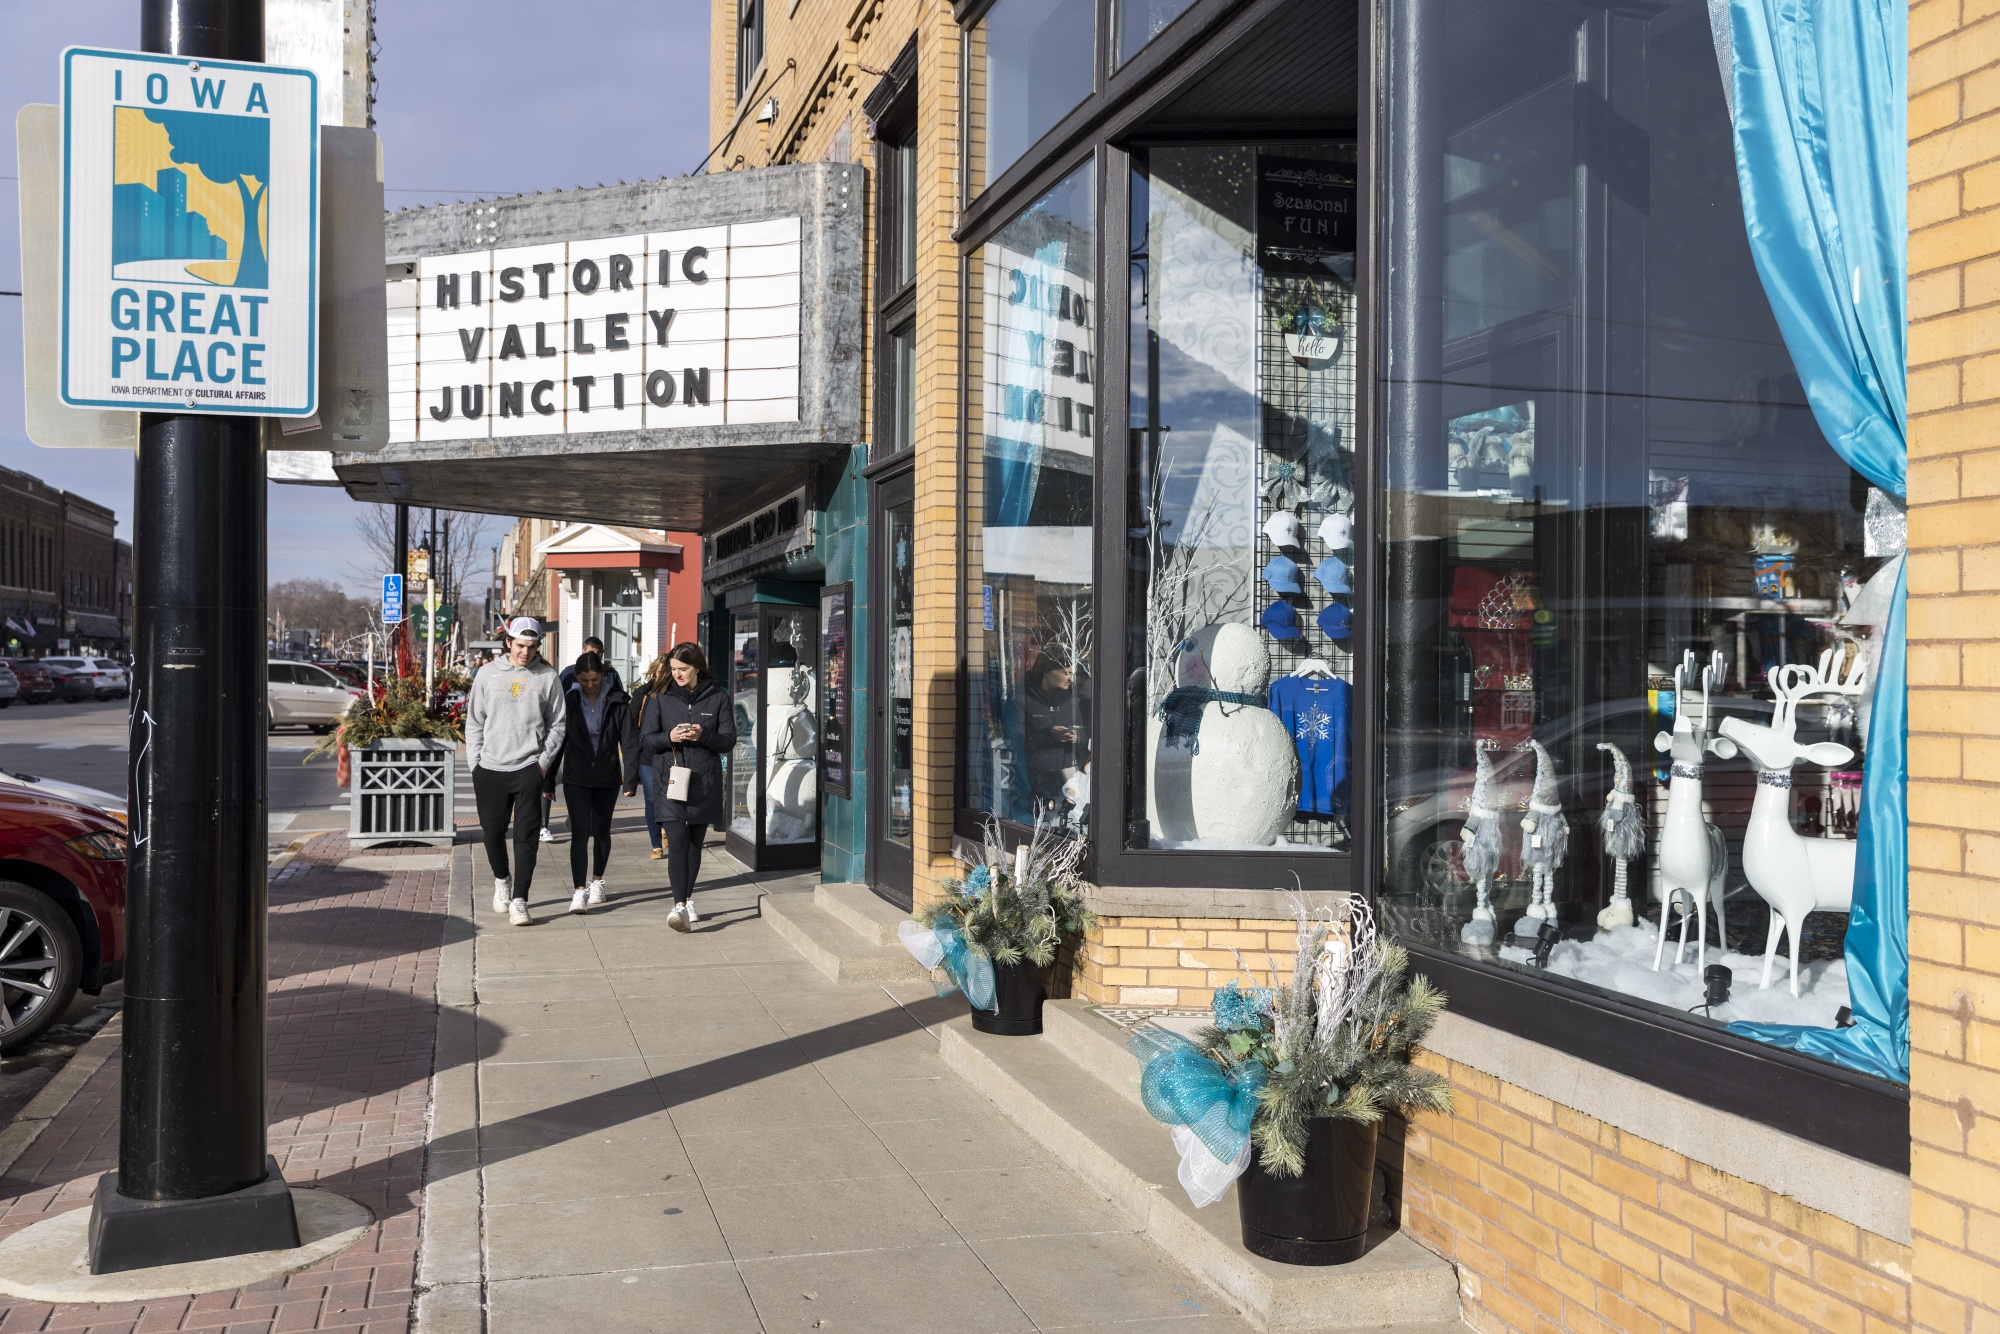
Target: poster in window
[[1305, 216], [835, 601]]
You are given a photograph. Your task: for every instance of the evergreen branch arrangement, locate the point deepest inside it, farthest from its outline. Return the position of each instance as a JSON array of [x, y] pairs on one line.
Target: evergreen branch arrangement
[[398, 710], [1335, 1040], [1018, 907]]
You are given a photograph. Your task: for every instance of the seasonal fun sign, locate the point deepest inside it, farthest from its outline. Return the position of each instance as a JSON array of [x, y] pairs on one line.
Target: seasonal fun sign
[[190, 262]]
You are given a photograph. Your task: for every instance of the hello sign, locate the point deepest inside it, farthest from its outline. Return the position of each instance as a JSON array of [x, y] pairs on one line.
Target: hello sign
[[697, 327]]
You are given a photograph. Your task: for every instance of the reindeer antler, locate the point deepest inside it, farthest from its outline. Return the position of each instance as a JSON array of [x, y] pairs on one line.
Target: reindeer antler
[[1796, 682]]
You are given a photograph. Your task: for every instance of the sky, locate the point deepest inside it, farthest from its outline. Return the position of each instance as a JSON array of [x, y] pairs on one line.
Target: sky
[[474, 99]]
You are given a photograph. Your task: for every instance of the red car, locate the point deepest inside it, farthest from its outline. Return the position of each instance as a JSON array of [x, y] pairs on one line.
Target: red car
[[37, 686], [62, 909]]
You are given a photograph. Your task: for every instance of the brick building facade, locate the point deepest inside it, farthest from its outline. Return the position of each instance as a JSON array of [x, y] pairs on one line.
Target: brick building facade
[[1573, 1187], [65, 576]]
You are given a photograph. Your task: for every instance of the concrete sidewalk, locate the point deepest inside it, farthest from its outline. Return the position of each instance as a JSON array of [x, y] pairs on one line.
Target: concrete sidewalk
[[635, 1129]]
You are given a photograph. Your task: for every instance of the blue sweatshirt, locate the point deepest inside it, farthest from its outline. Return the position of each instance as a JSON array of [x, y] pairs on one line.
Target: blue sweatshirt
[[1316, 710]]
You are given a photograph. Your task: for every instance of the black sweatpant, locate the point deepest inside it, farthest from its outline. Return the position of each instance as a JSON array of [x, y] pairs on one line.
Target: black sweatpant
[[589, 823], [683, 856], [513, 797]]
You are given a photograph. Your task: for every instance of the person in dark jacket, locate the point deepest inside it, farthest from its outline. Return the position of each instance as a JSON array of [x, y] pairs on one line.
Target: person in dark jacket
[[639, 773], [691, 724], [593, 769]]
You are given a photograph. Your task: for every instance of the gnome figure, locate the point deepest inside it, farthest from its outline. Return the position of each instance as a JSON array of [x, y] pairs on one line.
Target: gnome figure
[[1481, 855], [1624, 828], [1544, 844]]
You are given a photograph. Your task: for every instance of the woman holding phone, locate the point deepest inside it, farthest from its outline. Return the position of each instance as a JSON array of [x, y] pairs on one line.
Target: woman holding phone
[[686, 732]]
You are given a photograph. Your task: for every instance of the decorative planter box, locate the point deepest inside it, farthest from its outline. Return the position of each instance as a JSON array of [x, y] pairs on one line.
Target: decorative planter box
[[402, 793]]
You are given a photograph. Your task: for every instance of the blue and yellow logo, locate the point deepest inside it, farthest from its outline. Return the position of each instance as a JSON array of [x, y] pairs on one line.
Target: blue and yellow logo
[[191, 197]]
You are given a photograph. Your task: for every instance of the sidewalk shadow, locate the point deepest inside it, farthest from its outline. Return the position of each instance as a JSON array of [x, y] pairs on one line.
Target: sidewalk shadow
[[460, 1151], [311, 940]]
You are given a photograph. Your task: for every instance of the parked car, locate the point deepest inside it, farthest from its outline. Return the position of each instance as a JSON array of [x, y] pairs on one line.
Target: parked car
[[37, 686], [73, 680], [305, 695], [10, 686], [110, 803], [62, 908], [106, 677], [118, 681]]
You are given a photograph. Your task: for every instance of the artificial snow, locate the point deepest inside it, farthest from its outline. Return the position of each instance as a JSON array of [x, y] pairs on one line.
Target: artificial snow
[[1621, 960]]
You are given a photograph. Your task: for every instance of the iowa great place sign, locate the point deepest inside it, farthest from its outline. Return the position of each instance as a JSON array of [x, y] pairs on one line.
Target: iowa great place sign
[[190, 257]]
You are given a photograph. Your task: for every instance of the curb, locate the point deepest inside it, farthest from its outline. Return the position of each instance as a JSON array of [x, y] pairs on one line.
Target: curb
[[49, 1101], [449, 1288]]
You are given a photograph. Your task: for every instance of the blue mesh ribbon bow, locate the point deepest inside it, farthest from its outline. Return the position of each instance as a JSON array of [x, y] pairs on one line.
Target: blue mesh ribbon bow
[[1209, 1109], [945, 946]]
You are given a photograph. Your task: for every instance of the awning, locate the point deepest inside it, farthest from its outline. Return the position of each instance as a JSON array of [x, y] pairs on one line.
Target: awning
[[96, 625]]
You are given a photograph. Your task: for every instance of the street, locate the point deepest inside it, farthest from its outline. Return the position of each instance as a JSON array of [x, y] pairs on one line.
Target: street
[[86, 743]]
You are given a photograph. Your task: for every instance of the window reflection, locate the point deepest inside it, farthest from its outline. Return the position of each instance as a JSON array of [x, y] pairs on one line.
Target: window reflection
[[1028, 63], [1030, 489]]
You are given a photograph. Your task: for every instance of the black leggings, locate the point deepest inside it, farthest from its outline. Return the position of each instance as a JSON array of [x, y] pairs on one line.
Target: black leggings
[[589, 823], [683, 856], [506, 799]]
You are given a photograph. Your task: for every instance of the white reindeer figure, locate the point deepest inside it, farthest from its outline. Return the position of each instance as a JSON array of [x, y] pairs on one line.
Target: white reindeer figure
[[1794, 874], [1694, 857]]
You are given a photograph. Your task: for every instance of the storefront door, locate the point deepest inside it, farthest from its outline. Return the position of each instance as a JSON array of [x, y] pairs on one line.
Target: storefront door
[[892, 687], [620, 632]]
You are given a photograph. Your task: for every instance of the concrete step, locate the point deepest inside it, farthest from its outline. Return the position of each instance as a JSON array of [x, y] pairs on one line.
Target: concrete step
[[1096, 1126], [829, 944], [864, 911]]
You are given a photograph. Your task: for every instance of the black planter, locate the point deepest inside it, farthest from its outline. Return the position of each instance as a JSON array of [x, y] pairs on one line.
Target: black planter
[[1319, 1217], [1018, 987]]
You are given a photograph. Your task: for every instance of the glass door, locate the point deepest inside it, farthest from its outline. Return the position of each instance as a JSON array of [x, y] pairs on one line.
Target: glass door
[[892, 669], [774, 767]]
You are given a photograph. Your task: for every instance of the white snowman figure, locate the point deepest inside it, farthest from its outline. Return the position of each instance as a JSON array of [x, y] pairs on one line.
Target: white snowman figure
[[1243, 775], [791, 792]]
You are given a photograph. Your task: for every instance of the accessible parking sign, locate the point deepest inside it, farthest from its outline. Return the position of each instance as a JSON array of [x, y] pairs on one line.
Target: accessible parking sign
[[190, 268]]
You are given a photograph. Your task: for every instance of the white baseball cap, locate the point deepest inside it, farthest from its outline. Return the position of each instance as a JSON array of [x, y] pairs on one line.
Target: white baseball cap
[[1337, 531], [1283, 529], [524, 627]]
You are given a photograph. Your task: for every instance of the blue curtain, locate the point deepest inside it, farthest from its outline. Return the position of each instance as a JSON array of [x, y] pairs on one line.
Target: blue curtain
[[1818, 99]]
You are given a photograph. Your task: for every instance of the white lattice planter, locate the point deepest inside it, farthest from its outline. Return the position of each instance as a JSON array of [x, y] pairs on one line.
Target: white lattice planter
[[401, 793]]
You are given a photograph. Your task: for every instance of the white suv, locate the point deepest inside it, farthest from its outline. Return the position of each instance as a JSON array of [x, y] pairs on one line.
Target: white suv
[[107, 678], [302, 695]]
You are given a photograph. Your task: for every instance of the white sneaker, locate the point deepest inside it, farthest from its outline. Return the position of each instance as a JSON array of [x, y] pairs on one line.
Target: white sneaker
[[579, 902], [674, 918], [596, 893], [517, 913], [503, 894], [547, 837], [688, 914]]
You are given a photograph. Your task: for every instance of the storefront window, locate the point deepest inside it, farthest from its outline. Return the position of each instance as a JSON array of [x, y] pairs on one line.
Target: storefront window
[[1032, 413], [1028, 64], [743, 757], [1242, 561], [1618, 552], [1140, 21]]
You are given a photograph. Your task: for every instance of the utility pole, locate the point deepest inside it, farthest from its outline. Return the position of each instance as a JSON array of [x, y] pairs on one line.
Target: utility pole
[[194, 1180], [402, 559]]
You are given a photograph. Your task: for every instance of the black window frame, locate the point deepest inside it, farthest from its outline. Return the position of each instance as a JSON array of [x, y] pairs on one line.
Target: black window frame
[[749, 43], [891, 110], [1840, 1109]]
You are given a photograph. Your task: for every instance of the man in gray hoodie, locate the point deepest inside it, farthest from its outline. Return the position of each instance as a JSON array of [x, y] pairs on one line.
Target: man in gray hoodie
[[513, 733]]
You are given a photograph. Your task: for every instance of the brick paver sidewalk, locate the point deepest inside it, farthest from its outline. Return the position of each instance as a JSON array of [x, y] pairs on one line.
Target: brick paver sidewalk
[[352, 1032]]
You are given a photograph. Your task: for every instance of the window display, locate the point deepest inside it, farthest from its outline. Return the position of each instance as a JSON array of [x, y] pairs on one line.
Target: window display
[[1029, 493], [1626, 648], [1243, 567], [774, 767]]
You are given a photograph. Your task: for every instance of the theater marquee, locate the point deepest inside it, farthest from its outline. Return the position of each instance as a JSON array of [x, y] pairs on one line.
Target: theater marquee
[[694, 327]]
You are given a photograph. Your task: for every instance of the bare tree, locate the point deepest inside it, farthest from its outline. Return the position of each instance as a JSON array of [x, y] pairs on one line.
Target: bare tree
[[468, 558]]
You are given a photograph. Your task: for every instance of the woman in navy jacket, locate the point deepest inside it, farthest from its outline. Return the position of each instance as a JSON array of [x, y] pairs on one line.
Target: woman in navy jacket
[[691, 724], [593, 769]]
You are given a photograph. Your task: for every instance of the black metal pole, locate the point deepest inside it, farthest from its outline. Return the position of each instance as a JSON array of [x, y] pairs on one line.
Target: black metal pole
[[193, 1179], [402, 560]]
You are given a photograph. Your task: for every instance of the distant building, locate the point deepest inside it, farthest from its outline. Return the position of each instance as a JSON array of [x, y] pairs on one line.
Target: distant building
[[637, 589], [149, 223], [65, 578]]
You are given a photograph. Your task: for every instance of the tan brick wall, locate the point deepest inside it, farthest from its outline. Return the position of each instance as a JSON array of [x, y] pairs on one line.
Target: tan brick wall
[[1558, 1221], [1954, 624], [1179, 961]]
